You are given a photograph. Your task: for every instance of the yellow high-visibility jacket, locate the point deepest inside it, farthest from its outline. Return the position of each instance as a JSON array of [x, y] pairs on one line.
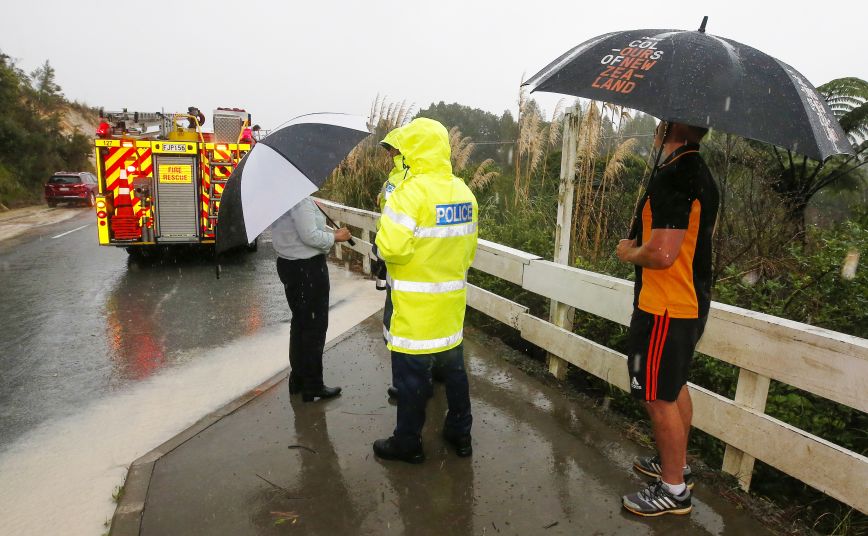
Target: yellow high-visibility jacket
[[427, 238]]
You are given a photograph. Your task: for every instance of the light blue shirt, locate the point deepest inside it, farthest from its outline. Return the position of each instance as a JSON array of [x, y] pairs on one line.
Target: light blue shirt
[[301, 233]]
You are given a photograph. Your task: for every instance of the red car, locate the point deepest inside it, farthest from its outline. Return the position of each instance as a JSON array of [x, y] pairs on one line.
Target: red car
[[76, 187]]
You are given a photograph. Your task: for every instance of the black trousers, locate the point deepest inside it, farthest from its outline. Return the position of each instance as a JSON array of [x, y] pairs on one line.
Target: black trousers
[[306, 283], [412, 376]]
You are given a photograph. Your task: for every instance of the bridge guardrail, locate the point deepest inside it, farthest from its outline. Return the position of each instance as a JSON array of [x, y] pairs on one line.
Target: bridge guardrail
[[823, 362]]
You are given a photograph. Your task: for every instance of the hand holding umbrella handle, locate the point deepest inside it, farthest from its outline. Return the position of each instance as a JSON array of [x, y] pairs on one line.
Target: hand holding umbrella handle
[[343, 235], [332, 223]]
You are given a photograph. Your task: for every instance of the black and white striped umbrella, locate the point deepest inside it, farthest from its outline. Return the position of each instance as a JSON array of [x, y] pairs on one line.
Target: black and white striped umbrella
[[288, 165]]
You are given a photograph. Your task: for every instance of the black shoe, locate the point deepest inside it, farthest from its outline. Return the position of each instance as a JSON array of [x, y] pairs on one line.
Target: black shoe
[[322, 392], [651, 466], [461, 444], [656, 500], [387, 449], [393, 393]]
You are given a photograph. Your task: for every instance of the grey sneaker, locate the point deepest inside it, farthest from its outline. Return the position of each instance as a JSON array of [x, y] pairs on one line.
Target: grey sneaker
[[656, 500], [651, 466]]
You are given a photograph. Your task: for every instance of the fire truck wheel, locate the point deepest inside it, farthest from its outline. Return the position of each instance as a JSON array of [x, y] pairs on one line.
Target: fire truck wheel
[[253, 246]]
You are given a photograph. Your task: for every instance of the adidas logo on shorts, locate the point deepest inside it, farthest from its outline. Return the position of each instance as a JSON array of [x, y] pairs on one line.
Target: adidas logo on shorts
[[635, 385]]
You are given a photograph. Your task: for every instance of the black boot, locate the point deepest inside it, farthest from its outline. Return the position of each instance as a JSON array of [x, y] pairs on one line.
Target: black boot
[[388, 449], [322, 392], [461, 444]]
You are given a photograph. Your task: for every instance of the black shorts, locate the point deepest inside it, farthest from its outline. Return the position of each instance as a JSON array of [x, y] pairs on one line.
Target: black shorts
[[659, 353]]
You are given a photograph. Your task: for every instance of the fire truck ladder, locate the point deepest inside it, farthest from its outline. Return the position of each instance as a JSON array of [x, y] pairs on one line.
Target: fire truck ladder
[[214, 195]]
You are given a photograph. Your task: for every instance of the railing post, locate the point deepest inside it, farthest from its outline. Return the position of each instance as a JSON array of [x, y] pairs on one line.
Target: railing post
[[339, 254], [751, 391], [366, 259], [560, 314]]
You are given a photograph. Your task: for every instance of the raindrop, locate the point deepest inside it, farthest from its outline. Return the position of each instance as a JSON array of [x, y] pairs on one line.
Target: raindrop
[[726, 104]]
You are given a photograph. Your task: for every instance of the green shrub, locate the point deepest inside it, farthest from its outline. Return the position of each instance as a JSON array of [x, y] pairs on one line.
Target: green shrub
[[32, 146]]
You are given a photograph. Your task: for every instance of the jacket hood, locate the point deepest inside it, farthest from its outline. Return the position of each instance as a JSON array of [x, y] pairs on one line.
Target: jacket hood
[[424, 143]]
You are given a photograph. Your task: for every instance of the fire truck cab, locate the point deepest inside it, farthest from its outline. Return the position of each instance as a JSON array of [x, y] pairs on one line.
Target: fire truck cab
[[161, 177]]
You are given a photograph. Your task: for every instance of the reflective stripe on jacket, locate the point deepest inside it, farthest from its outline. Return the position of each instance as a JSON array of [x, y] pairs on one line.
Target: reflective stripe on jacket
[[427, 237]]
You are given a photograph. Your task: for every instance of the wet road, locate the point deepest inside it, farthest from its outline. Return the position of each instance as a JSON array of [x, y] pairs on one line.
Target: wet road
[[103, 359], [81, 322]]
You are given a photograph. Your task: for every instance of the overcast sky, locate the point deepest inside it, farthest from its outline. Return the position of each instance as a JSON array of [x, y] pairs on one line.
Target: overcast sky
[[282, 59]]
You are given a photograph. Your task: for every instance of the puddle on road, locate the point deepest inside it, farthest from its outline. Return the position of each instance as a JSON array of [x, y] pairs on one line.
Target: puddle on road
[[63, 472]]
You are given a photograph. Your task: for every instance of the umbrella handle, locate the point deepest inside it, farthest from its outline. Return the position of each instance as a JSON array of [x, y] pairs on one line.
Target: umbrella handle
[[333, 224], [635, 223]]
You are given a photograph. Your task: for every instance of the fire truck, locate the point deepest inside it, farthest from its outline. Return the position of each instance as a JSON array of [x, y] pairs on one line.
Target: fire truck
[[161, 177]]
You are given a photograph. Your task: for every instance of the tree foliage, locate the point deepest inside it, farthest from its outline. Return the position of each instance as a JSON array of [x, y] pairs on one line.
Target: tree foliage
[[487, 130], [799, 179], [848, 99], [45, 89], [32, 146]]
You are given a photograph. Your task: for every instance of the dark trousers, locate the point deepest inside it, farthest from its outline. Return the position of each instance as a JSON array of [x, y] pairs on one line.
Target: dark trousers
[[306, 283], [387, 321], [412, 375]]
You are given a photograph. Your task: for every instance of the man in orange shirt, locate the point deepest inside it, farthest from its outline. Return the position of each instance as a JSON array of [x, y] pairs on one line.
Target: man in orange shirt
[[672, 253]]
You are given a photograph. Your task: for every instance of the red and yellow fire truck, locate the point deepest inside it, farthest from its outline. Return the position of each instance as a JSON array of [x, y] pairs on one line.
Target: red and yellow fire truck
[[161, 176]]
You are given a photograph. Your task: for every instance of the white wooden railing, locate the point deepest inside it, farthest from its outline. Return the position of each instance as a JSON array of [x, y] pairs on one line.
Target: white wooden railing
[[819, 361]]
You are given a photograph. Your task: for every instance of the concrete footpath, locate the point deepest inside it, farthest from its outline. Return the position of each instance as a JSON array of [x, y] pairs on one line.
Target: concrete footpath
[[271, 464], [20, 220]]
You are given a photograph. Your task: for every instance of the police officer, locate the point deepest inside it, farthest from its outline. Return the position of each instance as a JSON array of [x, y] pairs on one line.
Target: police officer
[[396, 176], [427, 239], [399, 172]]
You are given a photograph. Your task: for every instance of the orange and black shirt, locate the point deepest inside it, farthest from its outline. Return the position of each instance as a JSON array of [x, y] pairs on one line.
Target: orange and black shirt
[[681, 195]]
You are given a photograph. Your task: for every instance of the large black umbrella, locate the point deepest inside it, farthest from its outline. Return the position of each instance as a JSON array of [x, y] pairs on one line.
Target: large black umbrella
[[703, 80], [288, 165]]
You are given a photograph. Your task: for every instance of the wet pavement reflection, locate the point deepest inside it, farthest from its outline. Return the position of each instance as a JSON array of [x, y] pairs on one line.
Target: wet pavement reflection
[[542, 464], [81, 321], [104, 359], [157, 312]]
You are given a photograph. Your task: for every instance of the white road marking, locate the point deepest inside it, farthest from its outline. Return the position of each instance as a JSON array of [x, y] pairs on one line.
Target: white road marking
[[68, 232]]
